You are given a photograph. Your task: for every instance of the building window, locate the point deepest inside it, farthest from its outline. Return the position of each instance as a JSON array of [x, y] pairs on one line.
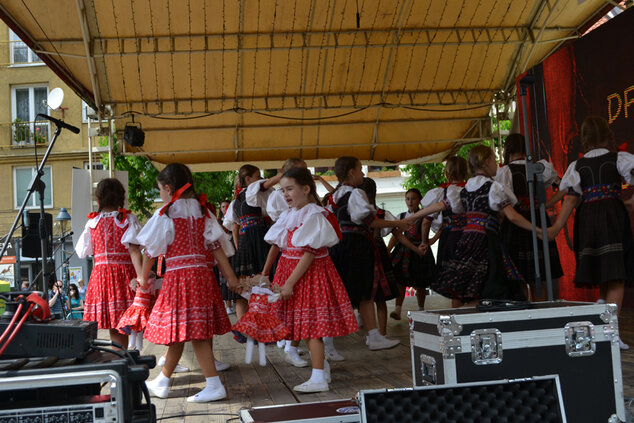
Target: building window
[[22, 177], [20, 53], [95, 166], [26, 102]]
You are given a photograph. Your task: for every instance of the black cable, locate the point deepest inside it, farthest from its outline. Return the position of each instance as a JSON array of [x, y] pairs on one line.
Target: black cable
[[176, 416], [119, 353], [271, 115], [315, 118]]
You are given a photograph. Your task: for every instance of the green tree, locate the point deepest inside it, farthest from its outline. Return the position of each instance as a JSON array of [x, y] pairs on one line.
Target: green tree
[[429, 175], [218, 186], [142, 188]]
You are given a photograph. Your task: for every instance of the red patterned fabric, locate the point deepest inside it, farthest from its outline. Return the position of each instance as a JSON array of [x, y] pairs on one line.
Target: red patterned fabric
[[319, 305], [189, 306], [137, 315], [259, 322], [108, 295]]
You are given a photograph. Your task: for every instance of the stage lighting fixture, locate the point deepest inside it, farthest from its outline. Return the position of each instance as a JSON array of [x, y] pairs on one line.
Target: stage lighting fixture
[[134, 135]]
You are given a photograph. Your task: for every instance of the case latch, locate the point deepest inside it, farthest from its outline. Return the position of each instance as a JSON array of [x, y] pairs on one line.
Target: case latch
[[486, 346], [428, 369], [450, 345], [579, 338], [447, 323]]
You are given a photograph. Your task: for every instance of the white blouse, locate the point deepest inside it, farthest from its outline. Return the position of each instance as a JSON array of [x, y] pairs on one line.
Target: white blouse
[[313, 228], [255, 196], [499, 195], [228, 219], [624, 165], [436, 195], [391, 218], [358, 205], [84, 244], [276, 205], [158, 233], [505, 176]]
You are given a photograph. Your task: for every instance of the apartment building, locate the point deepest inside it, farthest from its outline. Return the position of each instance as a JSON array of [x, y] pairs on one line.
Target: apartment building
[[25, 82]]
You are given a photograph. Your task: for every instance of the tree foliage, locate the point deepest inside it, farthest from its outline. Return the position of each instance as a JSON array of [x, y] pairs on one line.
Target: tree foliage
[[142, 188], [218, 186], [430, 175]]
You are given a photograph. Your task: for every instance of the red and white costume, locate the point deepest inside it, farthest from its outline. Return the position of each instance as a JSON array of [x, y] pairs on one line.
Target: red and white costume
[[259, 322], [136, 317], [319, 305], [189, 306], [107, 238]]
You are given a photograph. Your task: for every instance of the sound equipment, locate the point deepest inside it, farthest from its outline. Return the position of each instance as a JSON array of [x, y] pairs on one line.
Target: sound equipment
[[532, 400], [57, 338], [577, 341], [134, 135], [337, 411], [101, 387], [31, 246]]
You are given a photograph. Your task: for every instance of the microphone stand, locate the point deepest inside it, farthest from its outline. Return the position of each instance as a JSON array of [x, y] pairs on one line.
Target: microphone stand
[[39, 186], [535, 180]]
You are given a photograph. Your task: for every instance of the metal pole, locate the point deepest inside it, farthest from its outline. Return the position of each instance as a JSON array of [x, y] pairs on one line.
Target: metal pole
[[534, 175]]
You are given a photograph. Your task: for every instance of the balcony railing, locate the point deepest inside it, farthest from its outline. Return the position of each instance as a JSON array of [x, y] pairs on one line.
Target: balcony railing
[[29, 133]]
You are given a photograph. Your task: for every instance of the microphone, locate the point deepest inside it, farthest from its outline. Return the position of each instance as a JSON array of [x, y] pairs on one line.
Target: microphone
[[60, 123], [67, 235]]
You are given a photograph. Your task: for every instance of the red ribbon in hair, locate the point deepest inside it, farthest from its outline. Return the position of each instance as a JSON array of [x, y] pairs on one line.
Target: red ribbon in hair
[[448, 184], [237, 192], [334, 223], [621, 147], [332, 204], [92, 215], [202, 199], [124, 213], [175, 197]]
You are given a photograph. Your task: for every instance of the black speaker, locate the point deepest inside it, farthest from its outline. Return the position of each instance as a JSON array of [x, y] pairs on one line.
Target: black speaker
[[134, 135], [31, 234]]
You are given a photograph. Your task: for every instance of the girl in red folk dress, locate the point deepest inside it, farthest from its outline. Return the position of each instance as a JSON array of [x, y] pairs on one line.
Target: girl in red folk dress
[[110, 236], [314, 300], [189, 306]]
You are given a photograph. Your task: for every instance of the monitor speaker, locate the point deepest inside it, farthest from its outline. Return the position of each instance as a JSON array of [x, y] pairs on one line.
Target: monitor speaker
[[31, 234]]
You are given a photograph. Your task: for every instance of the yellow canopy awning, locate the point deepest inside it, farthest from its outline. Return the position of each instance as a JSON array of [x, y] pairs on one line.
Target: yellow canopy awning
[[261, 80]]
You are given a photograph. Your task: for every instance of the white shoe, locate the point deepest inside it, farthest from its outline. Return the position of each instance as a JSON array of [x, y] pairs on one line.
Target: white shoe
[[229, 310], [180, 369], [155, 390], [333, 355], [281, 344], [220, 366], [295, 360], [327, 371], [177, 369], [308, 387], [382, 343], [623, 345], [209, 394]]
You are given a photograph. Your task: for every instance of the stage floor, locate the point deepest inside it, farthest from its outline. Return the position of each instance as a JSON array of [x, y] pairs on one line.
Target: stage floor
[[253, 385]]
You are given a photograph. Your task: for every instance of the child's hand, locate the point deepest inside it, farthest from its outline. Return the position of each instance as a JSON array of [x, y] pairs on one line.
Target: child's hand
[[234, 285], [286, 292], [540, 235], [142, 283], [552, 233], [404, 225], [423, 248], [411, 220]]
